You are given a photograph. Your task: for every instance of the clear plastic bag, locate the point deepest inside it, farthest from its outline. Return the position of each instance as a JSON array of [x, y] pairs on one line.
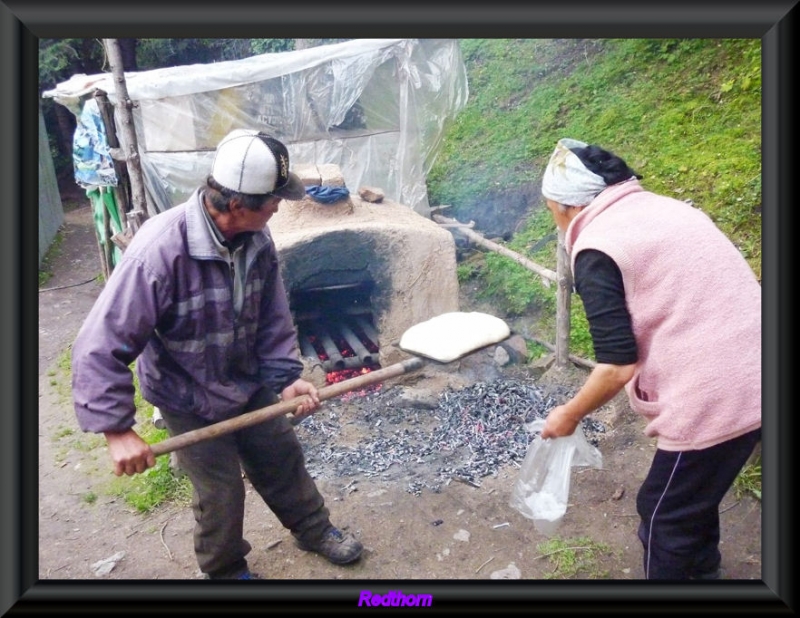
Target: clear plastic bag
[[541, 492]]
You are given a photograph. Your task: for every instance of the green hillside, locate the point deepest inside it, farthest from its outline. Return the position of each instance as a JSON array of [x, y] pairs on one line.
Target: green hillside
[[686, 114]]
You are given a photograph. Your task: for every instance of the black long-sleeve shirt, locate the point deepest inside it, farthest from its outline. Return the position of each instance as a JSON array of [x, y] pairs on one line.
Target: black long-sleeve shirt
[[598, 281]]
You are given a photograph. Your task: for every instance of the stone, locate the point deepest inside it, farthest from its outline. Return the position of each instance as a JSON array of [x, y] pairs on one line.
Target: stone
[[516, 347], [501, 357], [541, 366], [371, 194], [510, 572]]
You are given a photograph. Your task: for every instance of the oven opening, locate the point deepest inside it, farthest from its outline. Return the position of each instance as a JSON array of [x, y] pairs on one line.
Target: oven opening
[[335, 326]]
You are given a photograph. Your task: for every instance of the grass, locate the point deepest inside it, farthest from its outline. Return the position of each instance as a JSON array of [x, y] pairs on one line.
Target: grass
[[153, 487], [685, 113], [53, 253], [61, 376], [144, 492], [576, 558], [63, 432], [748, 482], [156, 485]]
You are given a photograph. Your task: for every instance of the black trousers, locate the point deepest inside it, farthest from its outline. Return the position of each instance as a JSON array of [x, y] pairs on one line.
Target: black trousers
[[679, 507], [273, 461]]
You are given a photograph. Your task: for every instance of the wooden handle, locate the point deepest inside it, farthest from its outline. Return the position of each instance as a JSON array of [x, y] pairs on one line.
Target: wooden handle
[[284, 407]]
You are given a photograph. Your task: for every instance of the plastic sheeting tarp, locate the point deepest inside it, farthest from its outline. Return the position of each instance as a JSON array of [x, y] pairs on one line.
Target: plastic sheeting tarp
[[377, 108], [51, 210]]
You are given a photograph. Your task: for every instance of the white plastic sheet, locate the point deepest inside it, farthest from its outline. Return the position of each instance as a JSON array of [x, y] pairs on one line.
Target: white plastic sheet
[[377, 108]]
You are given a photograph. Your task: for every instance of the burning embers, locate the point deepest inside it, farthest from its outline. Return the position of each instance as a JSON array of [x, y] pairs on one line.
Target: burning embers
[[334, 326], [351, 348], [470, 434], [345, 350]]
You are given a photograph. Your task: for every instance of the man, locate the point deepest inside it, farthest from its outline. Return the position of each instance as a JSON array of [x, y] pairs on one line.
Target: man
[[198, 302], [674, 312]]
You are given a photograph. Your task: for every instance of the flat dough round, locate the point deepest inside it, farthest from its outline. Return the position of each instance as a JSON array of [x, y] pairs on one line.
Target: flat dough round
[[449, 336]]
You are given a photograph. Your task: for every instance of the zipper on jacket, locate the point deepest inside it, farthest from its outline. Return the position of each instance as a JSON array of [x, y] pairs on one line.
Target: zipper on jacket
[[232, 264]]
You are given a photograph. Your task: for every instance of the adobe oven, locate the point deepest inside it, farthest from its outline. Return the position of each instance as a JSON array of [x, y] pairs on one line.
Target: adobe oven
[[360, 273]]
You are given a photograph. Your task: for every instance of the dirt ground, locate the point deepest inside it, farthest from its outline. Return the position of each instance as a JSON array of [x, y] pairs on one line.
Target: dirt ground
[[461, 533]]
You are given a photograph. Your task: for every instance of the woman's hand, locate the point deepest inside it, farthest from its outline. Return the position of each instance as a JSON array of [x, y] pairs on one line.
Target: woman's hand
[[603, 383], [559, 423]]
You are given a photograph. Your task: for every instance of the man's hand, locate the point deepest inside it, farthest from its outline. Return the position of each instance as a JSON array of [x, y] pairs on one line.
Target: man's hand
[[130, 454], [309, 403]]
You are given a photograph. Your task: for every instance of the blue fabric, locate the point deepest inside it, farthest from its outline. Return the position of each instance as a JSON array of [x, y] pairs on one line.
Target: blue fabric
[[93, 164], [327, 195]]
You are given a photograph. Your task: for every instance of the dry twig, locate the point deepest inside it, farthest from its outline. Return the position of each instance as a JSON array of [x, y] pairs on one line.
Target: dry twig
[[484, 564], [734, 505], [161, 535]]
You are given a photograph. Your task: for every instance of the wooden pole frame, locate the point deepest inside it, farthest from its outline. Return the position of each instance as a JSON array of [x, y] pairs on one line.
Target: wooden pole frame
[[127, 135], [563, 303], [562, 276]]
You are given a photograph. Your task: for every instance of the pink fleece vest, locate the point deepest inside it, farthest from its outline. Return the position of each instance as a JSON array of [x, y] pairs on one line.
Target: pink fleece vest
[[695, 305]]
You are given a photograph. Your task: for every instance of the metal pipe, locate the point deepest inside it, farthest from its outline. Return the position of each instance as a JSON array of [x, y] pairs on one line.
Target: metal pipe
[[351, 362], [355, 343], [335, 358], [307, 348], [368, 330], [158, 420]]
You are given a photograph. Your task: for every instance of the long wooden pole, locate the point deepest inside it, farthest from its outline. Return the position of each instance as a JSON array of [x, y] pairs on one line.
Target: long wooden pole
[[546, 274], [563, 303], [128, 136], [583, 362], [284, 407]]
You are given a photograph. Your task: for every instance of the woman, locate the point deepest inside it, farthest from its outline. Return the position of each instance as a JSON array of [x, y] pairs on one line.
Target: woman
[[674, 312]]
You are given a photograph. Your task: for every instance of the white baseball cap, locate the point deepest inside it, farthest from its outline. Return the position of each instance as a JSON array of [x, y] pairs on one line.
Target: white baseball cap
[[254, 163]]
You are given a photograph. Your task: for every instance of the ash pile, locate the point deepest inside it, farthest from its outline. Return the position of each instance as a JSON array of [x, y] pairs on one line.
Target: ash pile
[[464, 435]]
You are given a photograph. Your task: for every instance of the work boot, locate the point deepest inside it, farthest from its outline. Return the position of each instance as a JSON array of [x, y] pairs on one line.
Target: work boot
[[337, 547]]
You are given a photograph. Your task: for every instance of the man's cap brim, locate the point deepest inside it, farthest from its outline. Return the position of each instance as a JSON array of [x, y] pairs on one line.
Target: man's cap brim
[[292, 190]]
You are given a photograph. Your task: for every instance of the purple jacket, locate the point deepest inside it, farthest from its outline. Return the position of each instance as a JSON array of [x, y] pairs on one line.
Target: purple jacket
[[168, 305]]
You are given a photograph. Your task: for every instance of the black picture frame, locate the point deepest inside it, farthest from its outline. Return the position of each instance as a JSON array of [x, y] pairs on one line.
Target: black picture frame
[[23, 23]]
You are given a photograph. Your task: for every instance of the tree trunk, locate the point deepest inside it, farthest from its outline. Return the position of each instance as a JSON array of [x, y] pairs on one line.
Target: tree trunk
[[122, 192], [127, 50], [128, 140]]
